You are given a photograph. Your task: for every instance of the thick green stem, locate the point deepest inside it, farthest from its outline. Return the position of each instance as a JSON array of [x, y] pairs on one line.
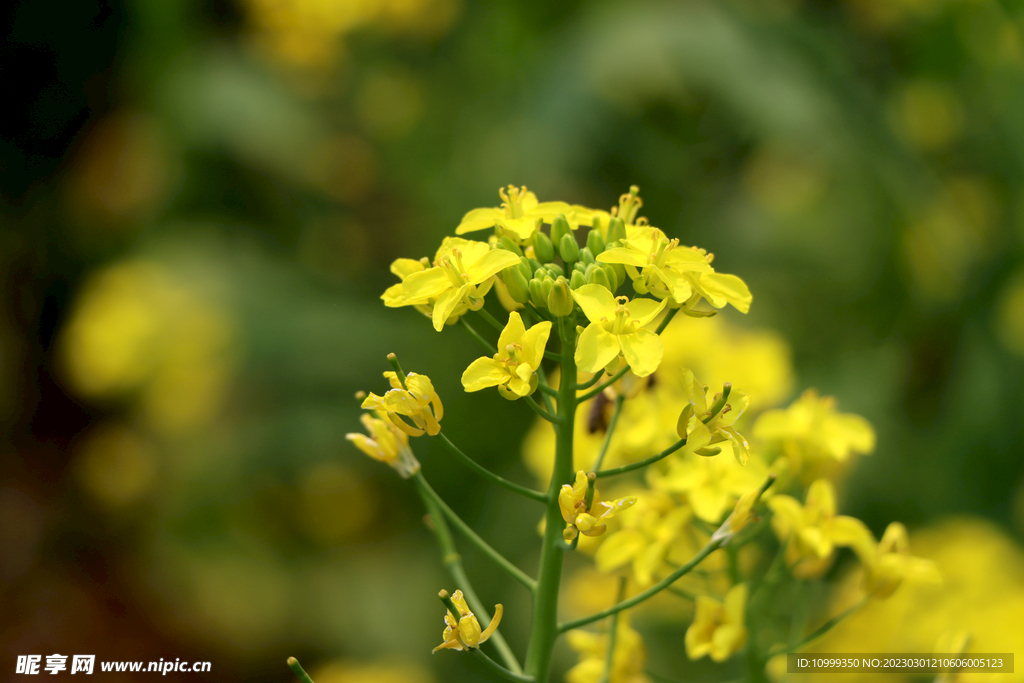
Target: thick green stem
[[544, 627]]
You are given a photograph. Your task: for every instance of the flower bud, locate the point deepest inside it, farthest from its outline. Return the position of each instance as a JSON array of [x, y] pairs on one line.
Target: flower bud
[[581, 267], [599, 277], [586, 256], [508, 245], [555, 269], [542, 274], [543, 247], [616, 230], [537, 294], [560, 301], [534, 264], [595, 242], [525, 268], [577, 280], [545, 287], [615, 275], [568, 249], [559, 227], [517, 286]]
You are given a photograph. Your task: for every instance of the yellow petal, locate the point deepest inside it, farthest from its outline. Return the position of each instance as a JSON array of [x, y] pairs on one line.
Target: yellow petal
[[643, 351], [596, 348], [493, 626], [623, 255], [424, 285], [721, 288], [479, 219], [483, 373], [596, 301], [446, 304], [495, 261], [618, 549], [535, 340], [644, 310], [404, 267], [512, 334]]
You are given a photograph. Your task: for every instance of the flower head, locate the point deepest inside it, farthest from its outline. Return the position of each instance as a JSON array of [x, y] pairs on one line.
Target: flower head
[[464, 633], [712, 485], [462, 274], [586, 517], [417, 401], [706, 424], [718, 629], [813, 531], [617, 326], [890, 562], [650, 533], [656, 264], [519, 216], [514, 368], [386, 443]]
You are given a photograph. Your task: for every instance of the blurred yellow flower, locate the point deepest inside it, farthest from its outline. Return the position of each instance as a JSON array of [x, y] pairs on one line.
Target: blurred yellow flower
[[583, 518], [628, 660], [712, 485], [889, 563], [718, 629], [519, 216], [514, 368], [617, 326], [419, 402], [383, 671], [813, 531], [465, 633], [647, 536]]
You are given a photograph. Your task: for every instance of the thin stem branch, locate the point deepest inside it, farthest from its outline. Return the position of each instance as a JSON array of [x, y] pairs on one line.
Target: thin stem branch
[[482, 545], [491, 476], [590, 382], [499, 669], [609, 657], [491, 320], [824, 628], [297, 669], [486, 345], [551, 355], [553, 419], [548, 405], [642, 463], [546, 389], [609, 432], [640, 597], [453, 561], [668, 318], [604, 385]]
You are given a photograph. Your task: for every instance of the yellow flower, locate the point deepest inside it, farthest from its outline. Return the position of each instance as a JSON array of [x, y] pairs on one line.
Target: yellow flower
[[386, 443], [743, 512], [888, 563], [712, 485], [617, 326], [465, 633], [628, 661], [520, 214], [661, 261], [719, 289], [718, 629], [652, 531], [719, 419], [811, 430], [813, 531], [514, 368], [419, 402], [462, 275], [581, 518]]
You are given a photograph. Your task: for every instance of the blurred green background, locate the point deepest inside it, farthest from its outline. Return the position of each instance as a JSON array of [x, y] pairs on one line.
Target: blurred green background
[[200, 201]]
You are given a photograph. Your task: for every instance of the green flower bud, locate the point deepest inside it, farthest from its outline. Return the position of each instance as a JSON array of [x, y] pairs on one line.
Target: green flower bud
[[595, 242], [568, 249], [545, 287], [534, 264], [537, 294], [619, 270], [559, 227], [560, 301], [616, 230], [526, 268], [599, 277], [554, 269], [580, 266], [508, 245], [613, 275], [586, 256], [577, 280], [518, 287], [543, 247]]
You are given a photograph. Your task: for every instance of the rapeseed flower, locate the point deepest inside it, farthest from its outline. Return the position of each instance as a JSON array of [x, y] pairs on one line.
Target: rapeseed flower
[[462, 274], [647, 537], [417, 401], [712, 485], [617, 326], [889, 563], [628, 660], [514, 368], [465, 633], [385, 442], [656, 264], [581, 517], [519, 215], [703, 424], [718, 629], [813, 531]]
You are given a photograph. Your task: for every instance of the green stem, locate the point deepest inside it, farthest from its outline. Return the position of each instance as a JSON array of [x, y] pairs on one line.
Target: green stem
[[553, 419], [640, 597], [544, 626], [486, 345], [551, 355], [499, 669], [453, 562], [824, 628], [668, 318], [491, 476], [491, 320], [482, 545], [590, 382], [604, 385], [548, 405], [613, 629], [547, 390], [609, 432], [297, 669], [642, 463]]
